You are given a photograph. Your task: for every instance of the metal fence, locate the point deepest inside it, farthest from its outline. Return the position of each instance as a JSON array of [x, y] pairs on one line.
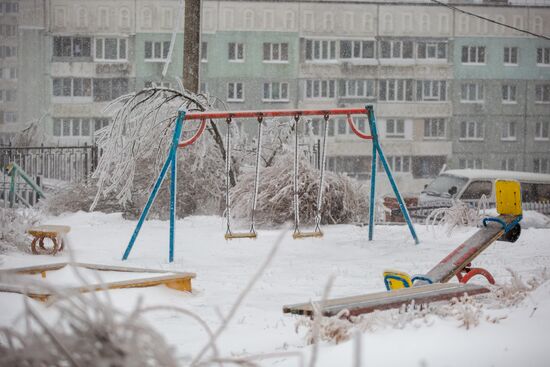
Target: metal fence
[[58, 163], [24, 195]]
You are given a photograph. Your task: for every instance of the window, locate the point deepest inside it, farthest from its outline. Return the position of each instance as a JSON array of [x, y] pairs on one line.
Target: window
[[543, 56], [541, 165], [510, 55], [10, 95], [396, 49], [152, 84], [471, 130], [471, 92], [356, 50], [473, 54], [432, 50], [399, 164], [109, 89], [110, 49], [434, 128], [8, 116], [320, 50], [395, 128], [9, 8], [508, 164], [542, 93], [431, 90], [72, 46], [236, 52], [470, 163], [156, 51], [509, 93], [396, 90], [320, 88], [508, 131], [72, 87], [204, 51], [477, 189], [357, 88], [342, 128], [8, 73], [73, 127], [275, 52], [8, 30], [541, 130], [275, 92], [235, 92], [203, 88]]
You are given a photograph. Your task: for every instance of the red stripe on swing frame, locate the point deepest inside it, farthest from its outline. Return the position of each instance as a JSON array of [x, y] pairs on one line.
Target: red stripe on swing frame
[[274, 113]]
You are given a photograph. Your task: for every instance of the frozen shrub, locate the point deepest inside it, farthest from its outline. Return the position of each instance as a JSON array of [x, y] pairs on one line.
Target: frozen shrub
[[13, 226]]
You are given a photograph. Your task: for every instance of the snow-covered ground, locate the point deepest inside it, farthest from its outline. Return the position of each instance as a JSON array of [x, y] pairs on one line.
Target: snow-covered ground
[[506, 336]]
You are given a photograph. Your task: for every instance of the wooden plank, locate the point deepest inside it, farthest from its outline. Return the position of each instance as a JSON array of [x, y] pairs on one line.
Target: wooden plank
[[357, 305], [172, 279], [48, 229], [464, 254]]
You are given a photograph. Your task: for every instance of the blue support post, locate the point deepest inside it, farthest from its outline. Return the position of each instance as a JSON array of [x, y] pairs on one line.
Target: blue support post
[[173, 181], [372, 203], [376, 145], [171, 158]]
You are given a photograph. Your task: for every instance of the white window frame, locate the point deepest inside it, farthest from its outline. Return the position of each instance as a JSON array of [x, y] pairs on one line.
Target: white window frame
[[509, 54], [466, 91], [351, 88], [321, 50], [542, 91], [470, 163], [162, 46], [543, 56], [72, 97], [271, 87], [543, 165], [73, 124], [400, 164], [435, 123], [509, 131], [542, 131], [432, 90], [396, 46], [396, 85], [357, 50], [232, 92], [275, 53], [204, 51], [119, 42], [238, 52], [508, 164], [431, 45], [322, 86], [509, 91], [473, 53], [397, 130], [474, 131]]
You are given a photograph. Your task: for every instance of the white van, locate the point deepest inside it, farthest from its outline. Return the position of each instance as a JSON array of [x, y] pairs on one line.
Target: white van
[[471, 184]]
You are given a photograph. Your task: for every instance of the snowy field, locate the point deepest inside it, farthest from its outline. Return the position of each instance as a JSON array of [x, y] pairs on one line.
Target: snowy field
[[505, 336]]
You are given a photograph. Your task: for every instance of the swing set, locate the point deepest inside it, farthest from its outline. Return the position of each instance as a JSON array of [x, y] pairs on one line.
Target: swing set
[[229, 117]]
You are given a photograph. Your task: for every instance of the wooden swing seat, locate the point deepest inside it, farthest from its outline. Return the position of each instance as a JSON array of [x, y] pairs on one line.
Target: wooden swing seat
[[314, 234], [231, 236]]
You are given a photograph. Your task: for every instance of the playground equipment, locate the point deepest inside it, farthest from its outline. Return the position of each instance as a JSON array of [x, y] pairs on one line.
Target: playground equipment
[[420, 289], [228, 116], [54, 233], [14, 171], [20, 280]]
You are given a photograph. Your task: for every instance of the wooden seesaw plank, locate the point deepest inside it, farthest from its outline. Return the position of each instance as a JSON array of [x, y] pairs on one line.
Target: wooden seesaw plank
[[357, 305], [463, 255]]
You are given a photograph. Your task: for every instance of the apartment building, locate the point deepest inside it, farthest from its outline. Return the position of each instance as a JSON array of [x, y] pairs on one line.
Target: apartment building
[[9, 20], [447, 88]]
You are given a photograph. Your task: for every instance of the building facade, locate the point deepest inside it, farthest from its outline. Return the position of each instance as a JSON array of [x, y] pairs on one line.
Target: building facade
[[447, 88]]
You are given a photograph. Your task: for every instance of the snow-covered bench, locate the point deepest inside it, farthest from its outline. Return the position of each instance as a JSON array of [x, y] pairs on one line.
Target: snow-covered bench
[[54, 232]]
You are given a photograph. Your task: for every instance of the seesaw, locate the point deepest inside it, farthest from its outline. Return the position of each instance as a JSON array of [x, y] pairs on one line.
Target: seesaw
[[403, 289]]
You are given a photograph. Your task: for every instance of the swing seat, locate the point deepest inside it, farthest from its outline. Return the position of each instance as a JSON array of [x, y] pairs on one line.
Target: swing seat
[[299, 235], [231, 236]]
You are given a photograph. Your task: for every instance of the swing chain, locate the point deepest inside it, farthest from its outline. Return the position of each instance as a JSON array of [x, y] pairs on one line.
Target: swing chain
[[322, 175], [257, 177], [295, 186], [227, 174]]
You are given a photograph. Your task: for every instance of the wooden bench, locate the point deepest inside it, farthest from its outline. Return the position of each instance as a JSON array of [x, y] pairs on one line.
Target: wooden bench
[[54, 232]]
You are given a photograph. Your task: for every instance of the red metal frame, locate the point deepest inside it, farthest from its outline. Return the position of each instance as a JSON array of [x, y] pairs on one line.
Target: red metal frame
[[203, 116], [468, 273], [194, 138], [274, 113]]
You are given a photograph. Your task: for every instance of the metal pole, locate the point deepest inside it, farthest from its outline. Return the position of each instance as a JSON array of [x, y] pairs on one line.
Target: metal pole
[[192, 45]]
